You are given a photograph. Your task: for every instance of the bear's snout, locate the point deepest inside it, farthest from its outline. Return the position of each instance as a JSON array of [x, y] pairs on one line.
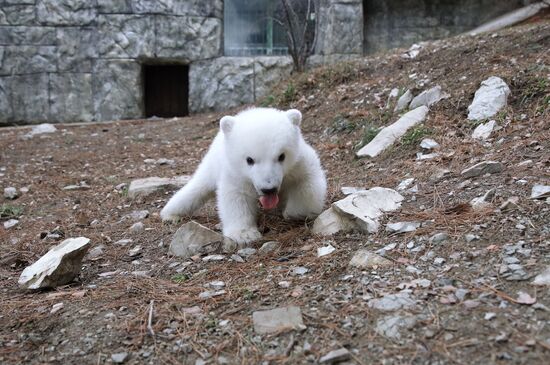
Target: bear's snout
[[269, 191]]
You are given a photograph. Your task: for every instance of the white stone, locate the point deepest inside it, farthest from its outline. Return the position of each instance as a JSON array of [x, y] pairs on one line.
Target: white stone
[[211, 293], [391, 326], [402, 227], [404, 184], [326, 250], [193, 238], [403, 101], [429, 144], [213, 258], [330, 222], [489, 99], [300, 270], [56, 308], [365, 259], [217, 284], [41, 129], [363, 208], [392, 302], [124, 241], [59, 266], [347, 190], [134, 251], [428, 156], [137, 227], [10, 223], [543, 278], [540, 191], [412, 52], [10, 192], [483, 131], [335, 356], [428, 97], [388, 135], [277, 320], [483, 201], [147, 186]]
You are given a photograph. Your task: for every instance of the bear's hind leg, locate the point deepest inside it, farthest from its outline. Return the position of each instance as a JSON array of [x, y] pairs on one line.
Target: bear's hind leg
[[306, 199]]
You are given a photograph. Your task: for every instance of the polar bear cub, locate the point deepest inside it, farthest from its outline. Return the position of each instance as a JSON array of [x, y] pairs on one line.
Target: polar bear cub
[[259, 154]]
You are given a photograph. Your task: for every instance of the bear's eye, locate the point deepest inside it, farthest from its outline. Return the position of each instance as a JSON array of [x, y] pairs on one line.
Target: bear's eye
[[281, 157], [249, 161]]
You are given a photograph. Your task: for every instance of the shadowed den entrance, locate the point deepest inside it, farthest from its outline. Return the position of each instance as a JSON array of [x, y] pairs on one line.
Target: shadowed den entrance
[[166, 90]]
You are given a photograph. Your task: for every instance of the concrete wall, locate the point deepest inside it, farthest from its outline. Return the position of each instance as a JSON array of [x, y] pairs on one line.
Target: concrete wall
[[400, 23]]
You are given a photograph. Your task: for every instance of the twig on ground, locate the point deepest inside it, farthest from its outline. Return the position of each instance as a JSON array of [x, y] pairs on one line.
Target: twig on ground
[[150, 319]]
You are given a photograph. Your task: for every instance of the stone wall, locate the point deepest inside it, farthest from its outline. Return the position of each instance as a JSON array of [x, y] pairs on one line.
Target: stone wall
[[81, 60], [341, 28], [400, 23]]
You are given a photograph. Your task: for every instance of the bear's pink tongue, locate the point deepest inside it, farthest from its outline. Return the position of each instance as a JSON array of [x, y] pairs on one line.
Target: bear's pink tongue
[[269, 201]]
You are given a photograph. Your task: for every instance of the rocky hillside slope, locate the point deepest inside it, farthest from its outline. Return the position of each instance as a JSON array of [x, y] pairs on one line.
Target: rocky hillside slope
[[455, 271]]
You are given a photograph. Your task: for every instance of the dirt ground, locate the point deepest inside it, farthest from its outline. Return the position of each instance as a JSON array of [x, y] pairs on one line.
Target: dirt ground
[[467, 307]]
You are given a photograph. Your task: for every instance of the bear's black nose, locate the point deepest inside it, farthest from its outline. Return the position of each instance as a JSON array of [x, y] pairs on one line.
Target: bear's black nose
[[269, 191]]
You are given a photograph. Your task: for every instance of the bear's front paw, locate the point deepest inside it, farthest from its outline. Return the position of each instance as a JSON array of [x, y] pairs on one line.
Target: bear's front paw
[[243, 235], [168, 217]]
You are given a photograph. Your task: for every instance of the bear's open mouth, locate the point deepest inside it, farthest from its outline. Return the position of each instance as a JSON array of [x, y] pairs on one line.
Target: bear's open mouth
[[269, 201]]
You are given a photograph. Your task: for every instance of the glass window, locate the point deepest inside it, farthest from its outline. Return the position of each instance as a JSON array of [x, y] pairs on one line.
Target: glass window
[[251, 28]]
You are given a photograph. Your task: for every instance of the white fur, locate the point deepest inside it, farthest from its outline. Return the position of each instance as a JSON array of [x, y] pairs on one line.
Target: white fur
[[262, 134]]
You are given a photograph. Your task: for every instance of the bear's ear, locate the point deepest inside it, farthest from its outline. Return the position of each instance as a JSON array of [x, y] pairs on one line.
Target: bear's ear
[[226, 124], [295, 116]]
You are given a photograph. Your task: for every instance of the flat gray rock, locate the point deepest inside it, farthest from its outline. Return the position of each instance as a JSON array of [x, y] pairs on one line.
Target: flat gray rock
[[335, 356], [489, 99], [388, 135], [59, 266], [540, 192], [403, 101], [392, 302], [428, 97], [330, 222], [119, 358], [149, 185], [482, 168], [193, 238], [543, 278], [439, 237], [269, 247], [278, 319], [365, 259], [364, 208], [391, 326]]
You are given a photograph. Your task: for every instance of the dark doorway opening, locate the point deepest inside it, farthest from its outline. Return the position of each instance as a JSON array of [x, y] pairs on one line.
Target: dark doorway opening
[[166, 90]]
